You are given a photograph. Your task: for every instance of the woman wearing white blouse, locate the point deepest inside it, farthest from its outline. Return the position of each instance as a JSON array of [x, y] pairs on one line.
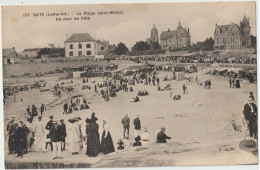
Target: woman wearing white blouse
[[107, 145]]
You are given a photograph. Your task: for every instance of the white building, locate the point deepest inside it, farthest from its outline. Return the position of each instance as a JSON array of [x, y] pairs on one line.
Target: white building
[[83, 44]]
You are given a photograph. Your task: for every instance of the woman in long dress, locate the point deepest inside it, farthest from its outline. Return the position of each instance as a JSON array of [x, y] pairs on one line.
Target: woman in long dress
[[107, 145], [74, 137], [93, 141]]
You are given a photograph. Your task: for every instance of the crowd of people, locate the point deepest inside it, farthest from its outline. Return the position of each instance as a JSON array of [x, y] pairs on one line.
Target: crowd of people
[[25, 137], [32, 111]]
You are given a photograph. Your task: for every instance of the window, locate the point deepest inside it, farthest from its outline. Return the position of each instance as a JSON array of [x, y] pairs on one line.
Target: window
[[71, 53], [224, 40], [217, 41], [80, 46], [71, 46], [88, 52], [102, 48], [180, 39], [88, 46], [80, 53]]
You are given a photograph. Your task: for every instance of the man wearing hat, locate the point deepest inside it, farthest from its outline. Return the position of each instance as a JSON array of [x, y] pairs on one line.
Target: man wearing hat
[[251, 95], [11, 137], [161, 136], [250, 114], [48, 127], [63, 134], [137, 124], [55, 135]]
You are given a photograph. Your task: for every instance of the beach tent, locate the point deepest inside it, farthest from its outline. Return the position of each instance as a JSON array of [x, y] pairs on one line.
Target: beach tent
[[180, 76]]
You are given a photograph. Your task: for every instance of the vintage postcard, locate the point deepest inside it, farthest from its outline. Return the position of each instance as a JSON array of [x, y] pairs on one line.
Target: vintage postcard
[[130, 85]]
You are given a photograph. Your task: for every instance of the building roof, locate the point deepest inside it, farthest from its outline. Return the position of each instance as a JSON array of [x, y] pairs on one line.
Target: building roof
[[104, 43], [111, 47], [245, 20], [179, 26], [174, 33], [80, 37], [224, 28], [9, 53]]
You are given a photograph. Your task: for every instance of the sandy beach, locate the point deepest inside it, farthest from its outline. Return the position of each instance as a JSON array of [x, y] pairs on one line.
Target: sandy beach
[[204, 131]]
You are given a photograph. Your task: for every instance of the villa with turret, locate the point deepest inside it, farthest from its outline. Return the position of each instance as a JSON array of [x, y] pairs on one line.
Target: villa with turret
[[175, 39], [232, 36]]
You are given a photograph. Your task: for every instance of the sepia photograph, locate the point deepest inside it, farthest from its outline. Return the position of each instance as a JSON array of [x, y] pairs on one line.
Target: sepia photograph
[[129, 85]]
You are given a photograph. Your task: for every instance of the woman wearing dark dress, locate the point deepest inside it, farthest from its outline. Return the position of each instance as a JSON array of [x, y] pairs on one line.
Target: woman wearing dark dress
[[20, 138], [93, 142], [107, 145]]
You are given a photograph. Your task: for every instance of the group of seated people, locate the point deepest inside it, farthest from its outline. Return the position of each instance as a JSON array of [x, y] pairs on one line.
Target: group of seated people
[[177, 97], [74, 107], [142, 93], [85, 87]]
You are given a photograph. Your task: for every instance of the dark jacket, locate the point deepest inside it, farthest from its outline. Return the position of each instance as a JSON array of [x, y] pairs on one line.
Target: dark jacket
[[125, 121], [20, 136], [250, 115], [63, 130], [161, 137], [65, 107], [49, 125], [137, 123], [55, 134]]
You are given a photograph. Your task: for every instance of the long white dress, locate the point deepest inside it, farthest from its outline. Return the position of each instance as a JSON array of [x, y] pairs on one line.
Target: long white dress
[[74, 137], [31, 129], [40, 138]]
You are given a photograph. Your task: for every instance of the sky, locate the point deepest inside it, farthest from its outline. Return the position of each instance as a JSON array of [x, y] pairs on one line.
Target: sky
[[133, 25]]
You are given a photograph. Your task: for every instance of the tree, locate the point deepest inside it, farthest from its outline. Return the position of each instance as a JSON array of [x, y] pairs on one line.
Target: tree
[[207, 45], [155, 45], [121, 49], [141, 46]]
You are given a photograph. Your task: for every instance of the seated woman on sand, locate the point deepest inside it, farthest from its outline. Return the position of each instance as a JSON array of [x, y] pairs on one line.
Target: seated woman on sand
[[168, 87], [136, 99]]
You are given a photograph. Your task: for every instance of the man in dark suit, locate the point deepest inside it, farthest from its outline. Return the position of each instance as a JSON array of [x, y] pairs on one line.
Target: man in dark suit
[[55, 135], [125, 122], [65, 108], [63, 134], [161, 136], [250, 114], [48, 127], [137, 124]]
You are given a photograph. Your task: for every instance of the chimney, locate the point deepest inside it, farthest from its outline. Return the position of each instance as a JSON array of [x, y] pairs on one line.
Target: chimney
[[168, 29], [216, 25]]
